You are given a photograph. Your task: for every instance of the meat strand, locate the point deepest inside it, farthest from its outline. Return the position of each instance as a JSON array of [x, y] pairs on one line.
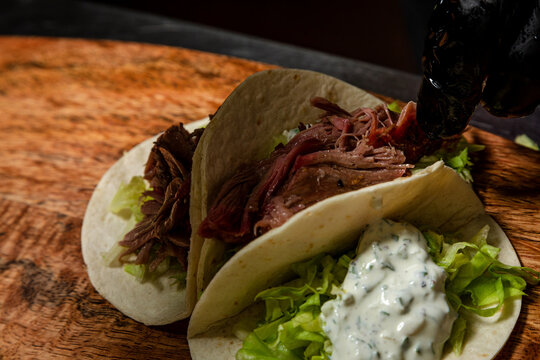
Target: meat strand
[[165, 229]]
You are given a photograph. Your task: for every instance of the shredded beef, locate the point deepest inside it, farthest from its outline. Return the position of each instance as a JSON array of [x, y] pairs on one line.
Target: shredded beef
[[405, 134], [328, 106], [299, 192], [345, 151], [237, 204], [227, 213], [165, 228]]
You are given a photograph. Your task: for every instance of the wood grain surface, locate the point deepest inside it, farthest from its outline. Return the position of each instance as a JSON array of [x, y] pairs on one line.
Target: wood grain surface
[[69, 109]]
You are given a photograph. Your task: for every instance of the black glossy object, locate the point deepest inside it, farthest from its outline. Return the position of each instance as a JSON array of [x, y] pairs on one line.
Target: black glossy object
[[513, 86], [469, 41]]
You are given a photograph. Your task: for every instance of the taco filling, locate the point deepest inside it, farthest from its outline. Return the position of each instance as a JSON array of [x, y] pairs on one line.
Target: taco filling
[[341, 152], [162, 233], [402, 294]]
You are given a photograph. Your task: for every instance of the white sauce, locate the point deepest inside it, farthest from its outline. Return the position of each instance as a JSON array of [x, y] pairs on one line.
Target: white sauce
[[393, 304]]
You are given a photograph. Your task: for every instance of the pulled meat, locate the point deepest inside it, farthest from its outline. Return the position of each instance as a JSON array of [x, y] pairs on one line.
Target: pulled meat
[[165, 229], [345, 151]]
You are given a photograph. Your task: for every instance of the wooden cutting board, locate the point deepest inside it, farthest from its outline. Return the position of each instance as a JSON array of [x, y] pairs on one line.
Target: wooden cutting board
[[69, 109]]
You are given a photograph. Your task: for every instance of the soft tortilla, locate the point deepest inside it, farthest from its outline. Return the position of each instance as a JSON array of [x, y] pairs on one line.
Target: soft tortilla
[[151, 302], [435, 197]]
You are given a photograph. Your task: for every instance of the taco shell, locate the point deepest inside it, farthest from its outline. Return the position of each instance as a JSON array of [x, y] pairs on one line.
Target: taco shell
[[151, 302]]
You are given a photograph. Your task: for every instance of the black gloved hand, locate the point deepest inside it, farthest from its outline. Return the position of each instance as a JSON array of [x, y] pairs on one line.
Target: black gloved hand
[[471, 43]]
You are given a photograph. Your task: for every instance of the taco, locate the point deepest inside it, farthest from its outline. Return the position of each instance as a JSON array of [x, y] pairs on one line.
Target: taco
[[348, 159], [287, 139], [157, 285], [435, 198]]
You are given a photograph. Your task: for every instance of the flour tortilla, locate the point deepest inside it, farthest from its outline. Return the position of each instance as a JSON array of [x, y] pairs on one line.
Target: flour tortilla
[[152, 302], [435, 197]]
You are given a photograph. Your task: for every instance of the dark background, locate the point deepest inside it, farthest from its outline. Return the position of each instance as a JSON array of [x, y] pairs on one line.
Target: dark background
[[384, 32], [325, 36]]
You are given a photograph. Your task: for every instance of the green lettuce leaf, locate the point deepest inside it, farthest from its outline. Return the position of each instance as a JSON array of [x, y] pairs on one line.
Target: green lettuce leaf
[[477, 282], [457, 156], [526, 141], [292, 327], [281, 139], [394, 107], [127, 201], [459, 330], [169, 266], [137, 270]]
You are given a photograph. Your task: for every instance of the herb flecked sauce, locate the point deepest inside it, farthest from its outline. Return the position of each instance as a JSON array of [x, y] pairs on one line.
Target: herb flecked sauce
[[393, 304]]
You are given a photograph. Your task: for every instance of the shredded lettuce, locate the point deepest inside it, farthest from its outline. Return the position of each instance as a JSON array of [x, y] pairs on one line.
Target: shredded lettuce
[[526, 141], [292, 328], [168, 266], [126, 203], [394, 107], [178, 276], [458, 334], [111, 258], [281, 139], [137, 270], [477, 282], [456, 156], [128, 199]]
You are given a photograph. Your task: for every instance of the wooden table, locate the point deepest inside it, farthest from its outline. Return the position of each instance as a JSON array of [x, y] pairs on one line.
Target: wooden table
[[68, 110]]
